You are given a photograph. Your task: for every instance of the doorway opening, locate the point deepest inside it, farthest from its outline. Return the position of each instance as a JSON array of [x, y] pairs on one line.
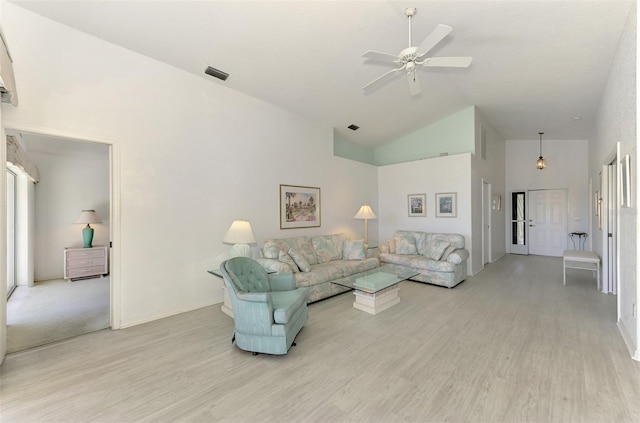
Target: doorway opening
[[74, 175]]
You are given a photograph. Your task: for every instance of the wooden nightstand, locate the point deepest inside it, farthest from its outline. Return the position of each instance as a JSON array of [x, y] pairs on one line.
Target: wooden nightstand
[[82, 263]]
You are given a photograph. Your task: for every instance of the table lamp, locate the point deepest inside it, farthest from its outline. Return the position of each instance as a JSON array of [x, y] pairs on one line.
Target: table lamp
[[240, 235], [87, 216], [365, 213]]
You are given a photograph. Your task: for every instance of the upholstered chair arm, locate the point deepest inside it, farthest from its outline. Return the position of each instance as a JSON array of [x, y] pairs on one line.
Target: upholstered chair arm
[[253, 313], [282, 282], [458, 256], [254, 297], [384, 249]]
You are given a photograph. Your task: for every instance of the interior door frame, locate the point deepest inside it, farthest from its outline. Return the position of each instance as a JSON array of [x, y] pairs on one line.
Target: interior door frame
[[13, 242], [486, 221], [613, 156], [115, 288]]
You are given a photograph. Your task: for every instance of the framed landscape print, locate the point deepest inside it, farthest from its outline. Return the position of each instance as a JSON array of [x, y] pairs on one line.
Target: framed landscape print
[[299, 207], [417, 204], [446, 204]]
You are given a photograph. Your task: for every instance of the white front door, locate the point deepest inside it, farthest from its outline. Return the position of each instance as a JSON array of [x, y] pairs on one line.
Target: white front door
[[548, 222]]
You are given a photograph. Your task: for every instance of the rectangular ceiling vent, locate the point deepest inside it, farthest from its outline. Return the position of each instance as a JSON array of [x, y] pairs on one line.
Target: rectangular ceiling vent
[[353, 127], [216, 73]]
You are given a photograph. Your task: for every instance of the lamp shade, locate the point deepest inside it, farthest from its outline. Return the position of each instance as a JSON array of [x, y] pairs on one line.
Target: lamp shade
[[88, 216], [365, 212], [239, 232]]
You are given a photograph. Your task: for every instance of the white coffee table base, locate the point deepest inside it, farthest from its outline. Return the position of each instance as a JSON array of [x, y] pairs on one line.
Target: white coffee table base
[[378, 302], [227, 308]]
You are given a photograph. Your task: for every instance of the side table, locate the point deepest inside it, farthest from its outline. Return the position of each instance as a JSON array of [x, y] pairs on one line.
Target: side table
[[226, 308], [83, 263]]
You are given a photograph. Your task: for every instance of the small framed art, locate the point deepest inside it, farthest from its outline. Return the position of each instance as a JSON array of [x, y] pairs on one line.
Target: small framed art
[[299, 207], [446, 204], [417, 204]]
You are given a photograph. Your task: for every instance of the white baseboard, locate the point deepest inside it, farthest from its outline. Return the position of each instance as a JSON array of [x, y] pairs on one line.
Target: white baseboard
[[633, 349], [159, 316]]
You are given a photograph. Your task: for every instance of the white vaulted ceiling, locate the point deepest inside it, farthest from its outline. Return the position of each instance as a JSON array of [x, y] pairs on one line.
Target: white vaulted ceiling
[[536, 64]]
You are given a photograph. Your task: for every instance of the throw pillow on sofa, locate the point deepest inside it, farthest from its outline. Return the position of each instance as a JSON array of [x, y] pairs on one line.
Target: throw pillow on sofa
[[353, 250], [436, 248], [450, 249], [405, 245], [302, 263], [392, 246], [327, 248], [286, 258], [271, 250]]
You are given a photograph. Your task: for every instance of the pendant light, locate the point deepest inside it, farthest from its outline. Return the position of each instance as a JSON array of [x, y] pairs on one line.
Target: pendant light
[[541, 163]]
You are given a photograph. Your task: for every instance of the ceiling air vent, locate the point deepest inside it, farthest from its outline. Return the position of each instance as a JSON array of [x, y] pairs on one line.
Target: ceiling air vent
[[216, 73], [353, 127]]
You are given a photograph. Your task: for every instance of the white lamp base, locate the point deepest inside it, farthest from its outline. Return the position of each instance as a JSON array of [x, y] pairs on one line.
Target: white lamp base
[[240, 250]]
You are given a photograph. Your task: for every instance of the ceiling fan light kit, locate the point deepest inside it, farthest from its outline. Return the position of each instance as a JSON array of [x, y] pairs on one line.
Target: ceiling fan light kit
[[409, 58]]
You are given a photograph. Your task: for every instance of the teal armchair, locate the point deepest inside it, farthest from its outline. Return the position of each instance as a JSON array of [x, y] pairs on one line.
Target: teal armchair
[[268, 310]]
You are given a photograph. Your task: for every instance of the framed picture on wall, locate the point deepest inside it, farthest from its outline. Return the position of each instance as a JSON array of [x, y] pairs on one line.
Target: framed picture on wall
[[417, 204], [446, 204], [299, 207]]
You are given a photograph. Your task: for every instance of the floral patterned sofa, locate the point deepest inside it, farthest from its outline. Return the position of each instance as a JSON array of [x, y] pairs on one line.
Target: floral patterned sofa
[[441, 259], [316, 261]]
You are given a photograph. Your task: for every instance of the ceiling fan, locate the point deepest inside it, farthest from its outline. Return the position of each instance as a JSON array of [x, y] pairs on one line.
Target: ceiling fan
[[409, 58]]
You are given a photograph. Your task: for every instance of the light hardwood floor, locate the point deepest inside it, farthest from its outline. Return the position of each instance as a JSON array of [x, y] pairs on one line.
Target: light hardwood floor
[[510, 344]]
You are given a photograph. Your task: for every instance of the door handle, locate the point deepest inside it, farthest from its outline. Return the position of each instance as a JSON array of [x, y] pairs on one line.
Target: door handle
[[531, 226]]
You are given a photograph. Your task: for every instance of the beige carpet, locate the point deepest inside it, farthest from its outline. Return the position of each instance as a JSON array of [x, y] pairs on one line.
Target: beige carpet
[[55, 310]]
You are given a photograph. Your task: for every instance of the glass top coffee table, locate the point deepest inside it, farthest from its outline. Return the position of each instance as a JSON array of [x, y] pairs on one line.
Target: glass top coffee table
[[376, 290]]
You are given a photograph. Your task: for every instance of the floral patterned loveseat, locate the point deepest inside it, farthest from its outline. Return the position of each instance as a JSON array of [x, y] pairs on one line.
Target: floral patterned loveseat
[[316, 261], [441, 259]]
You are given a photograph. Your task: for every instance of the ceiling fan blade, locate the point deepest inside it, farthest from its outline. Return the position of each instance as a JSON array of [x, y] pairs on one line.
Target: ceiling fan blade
[[382, 78], [414, 83], [434, 38], [378, 55], [448, 62]]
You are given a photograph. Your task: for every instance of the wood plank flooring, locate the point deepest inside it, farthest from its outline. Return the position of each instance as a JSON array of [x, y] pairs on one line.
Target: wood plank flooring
[[508, 345]]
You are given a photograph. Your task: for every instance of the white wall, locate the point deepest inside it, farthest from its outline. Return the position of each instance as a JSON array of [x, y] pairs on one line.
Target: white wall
[[194, 156], [617, 122], [70, 181], [567, 168], [429, 176]]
